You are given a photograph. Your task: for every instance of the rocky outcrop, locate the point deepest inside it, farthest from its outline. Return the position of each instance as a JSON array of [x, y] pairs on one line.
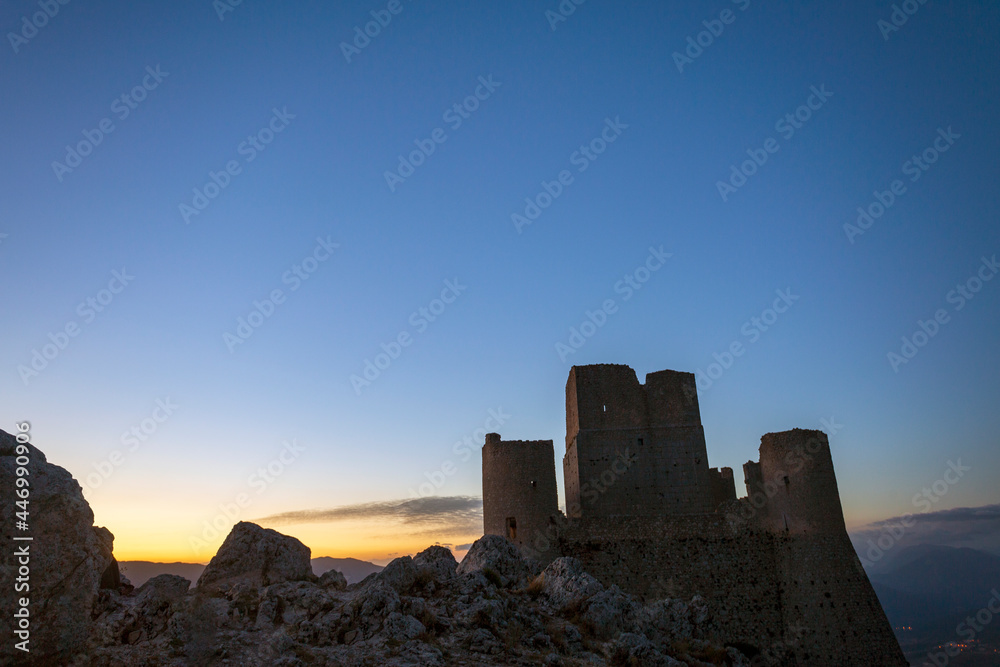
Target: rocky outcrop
[[425, 610], [499, 560], [333, 579], [258, 604], [61, 566], [566, 585], [256, 556]]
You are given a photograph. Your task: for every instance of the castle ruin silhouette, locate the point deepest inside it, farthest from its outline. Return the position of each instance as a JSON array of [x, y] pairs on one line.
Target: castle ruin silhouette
[[645, 512]]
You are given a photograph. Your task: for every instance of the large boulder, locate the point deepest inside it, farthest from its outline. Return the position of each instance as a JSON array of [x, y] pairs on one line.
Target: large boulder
[[566, 586], [333, 579], [499, 560], [61, 566], [436, 564], [256, 556], [400, 575], [611, 612]]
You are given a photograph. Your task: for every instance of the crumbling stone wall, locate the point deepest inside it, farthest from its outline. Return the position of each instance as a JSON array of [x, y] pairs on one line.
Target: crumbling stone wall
[[732, 566], [644, 511], [796, 469], [610, 415], [804, 598], [723, 486], [824, 585], [519, 488]]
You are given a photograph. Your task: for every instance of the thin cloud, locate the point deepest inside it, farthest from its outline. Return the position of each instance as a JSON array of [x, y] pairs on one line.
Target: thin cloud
[[974, 527], [458, 511], [984, 513]]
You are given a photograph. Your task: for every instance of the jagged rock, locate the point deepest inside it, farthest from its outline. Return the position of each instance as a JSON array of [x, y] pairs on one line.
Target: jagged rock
[[400, 574], [290, 603], [197, 627], [124, 585], [303, 622], [111, 579], [611, 611], [163, 587], [401, 627], [259, 556], [414, 606], [632, 648], [473, 584], [65, 560], [565, 585], [484, 641], [143, 616], [333, 579], [497, 558], [484, 613], [370, 607], [436, 564]]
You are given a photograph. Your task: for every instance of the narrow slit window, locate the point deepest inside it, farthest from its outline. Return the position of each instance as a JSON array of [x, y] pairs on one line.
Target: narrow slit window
[[511, 528]]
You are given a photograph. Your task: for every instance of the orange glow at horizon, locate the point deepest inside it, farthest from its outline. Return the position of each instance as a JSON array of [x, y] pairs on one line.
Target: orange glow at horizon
[[168, 535], [180, 532]]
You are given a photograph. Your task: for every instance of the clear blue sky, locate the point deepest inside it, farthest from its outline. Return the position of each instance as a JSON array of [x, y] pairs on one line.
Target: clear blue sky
[[343, 125]]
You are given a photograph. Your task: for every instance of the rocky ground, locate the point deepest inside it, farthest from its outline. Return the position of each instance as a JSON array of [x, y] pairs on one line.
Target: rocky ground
[[258, 603]]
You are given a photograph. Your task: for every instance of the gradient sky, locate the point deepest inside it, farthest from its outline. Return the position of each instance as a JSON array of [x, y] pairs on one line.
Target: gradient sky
[[893, 431]]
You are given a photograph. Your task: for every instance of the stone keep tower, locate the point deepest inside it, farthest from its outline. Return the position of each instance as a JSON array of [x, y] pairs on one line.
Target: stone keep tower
[[655, 428], [519, 488], [794, 490], [797, 478], [649, 515]]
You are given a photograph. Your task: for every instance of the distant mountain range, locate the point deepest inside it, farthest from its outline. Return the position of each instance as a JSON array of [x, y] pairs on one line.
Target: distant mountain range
[[140, 571], [928, 592], [353, 569]]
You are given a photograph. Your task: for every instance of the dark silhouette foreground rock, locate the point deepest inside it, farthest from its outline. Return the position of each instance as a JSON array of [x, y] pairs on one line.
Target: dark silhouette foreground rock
[[256, 556], [495, 556], [65, 559], [425, 610]]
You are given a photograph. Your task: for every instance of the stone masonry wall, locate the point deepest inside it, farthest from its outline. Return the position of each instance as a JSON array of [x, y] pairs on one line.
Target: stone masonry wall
[[723, 486], [609, 415], [825, 587], [801, 596], [519, 483], [669, 474], [679, 557]]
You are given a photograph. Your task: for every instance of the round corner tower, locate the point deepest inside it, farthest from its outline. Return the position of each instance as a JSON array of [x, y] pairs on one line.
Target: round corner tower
[[519, 489], [797, 476]]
